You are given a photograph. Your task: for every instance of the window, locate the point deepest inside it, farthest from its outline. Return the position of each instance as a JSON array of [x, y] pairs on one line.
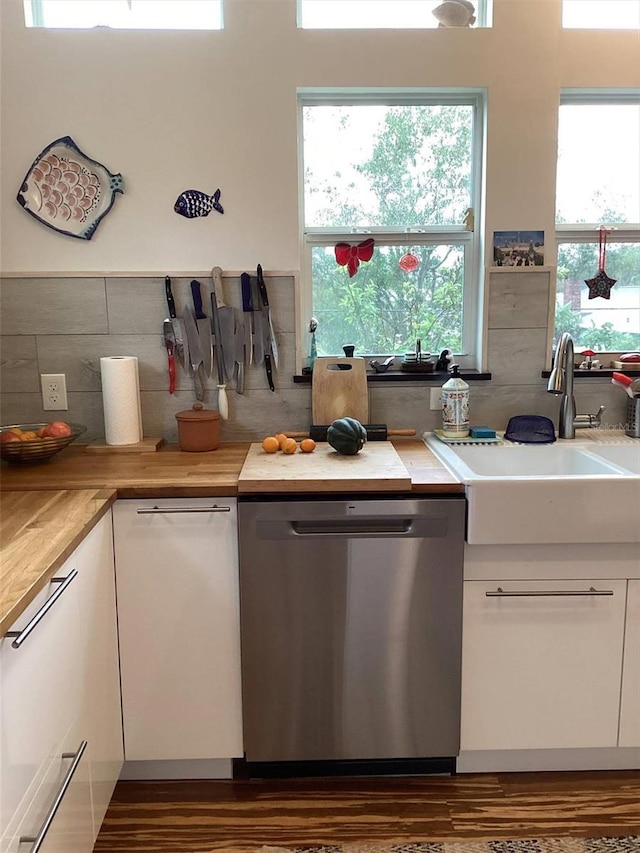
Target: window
[[601, 14], [403, 171], [598, 184], [125, 14], [385, 14]]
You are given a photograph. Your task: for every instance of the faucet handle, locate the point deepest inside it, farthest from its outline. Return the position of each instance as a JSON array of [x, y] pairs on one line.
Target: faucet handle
[[589, 421]]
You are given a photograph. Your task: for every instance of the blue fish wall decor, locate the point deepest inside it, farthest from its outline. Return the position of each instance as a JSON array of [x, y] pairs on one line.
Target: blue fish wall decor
[[192, 203]]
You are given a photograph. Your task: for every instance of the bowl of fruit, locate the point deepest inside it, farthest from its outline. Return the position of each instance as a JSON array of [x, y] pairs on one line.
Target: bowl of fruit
[[36, 442]]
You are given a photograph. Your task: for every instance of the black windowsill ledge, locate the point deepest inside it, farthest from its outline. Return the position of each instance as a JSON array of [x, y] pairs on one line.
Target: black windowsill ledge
[[392, 376], [602, 373]]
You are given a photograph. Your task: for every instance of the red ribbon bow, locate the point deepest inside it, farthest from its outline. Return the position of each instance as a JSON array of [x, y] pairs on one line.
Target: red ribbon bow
[[352, 255]]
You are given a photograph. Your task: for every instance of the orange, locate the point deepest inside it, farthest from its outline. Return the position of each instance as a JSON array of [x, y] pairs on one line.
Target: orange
[[28, 436], [270, 444], [290, 445], [281, 439], [307, 445]]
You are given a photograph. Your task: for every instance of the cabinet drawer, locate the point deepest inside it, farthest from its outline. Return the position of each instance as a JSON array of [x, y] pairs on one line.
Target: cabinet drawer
[[59, 808], [41, 690], [541, 665]]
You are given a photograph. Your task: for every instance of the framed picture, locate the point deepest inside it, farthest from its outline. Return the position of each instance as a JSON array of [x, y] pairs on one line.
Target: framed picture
[[518, 248]]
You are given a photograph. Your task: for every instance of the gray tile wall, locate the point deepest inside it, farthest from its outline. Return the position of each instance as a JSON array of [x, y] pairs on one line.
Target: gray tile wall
[[64, 325]]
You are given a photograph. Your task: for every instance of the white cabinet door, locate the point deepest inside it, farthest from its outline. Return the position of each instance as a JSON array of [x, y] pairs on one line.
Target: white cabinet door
[[179, 628], [41, 691], [541, 671], [101, 721], [630, 705]]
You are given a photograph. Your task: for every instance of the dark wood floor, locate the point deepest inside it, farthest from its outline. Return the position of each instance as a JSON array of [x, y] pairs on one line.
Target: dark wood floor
[[198, 817]]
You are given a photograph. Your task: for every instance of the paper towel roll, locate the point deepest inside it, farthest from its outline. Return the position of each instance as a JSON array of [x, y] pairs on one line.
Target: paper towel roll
[[121, 400]]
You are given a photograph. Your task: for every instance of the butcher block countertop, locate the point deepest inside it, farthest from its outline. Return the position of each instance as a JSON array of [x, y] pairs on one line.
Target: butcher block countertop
[[38, 531], [169, 472]]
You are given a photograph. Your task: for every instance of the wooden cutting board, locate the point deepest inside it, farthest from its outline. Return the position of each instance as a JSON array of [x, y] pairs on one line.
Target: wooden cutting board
[[339, 389], [377, 468]]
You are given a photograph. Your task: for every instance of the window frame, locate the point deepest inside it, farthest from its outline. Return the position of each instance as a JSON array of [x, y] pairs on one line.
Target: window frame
[[483, 13], [37, 17], [588, 232], [314, 236]]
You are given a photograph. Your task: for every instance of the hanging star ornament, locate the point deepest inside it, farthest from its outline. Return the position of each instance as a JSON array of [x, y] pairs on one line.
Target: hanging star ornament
[[600, 285]]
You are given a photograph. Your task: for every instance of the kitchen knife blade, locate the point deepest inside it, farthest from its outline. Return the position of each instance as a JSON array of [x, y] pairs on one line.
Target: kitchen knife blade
[[227, 325], [195, 354], [240, 356], [223, 403], [204, 328], [256, 317], [247, 307], [178, 333], [169, 342], [266, 311]]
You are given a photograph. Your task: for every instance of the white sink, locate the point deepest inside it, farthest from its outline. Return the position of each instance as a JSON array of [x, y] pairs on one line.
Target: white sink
[[500, 462], [565, 492], [626, 456]]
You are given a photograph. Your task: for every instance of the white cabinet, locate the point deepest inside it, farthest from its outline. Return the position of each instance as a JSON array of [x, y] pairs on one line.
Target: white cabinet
[[630, 703], [54, 675], [541, 664], [178, 617]]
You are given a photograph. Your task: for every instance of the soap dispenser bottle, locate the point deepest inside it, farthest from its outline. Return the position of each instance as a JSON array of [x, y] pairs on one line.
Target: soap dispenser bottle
[[455, 405]]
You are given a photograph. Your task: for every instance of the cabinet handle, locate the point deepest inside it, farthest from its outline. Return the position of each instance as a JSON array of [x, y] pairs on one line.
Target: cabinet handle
[[21, 636], [36, 840], [503, 593], [158, 510]]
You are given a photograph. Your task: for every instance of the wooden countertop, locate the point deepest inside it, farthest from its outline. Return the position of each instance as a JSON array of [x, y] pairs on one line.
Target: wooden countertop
[[169, 472], [38, 531]]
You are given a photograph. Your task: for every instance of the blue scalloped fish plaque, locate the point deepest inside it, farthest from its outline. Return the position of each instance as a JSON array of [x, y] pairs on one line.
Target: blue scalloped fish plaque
[[68, 191]]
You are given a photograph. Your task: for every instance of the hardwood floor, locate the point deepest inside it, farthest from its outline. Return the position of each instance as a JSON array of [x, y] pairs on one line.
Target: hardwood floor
[[203, 816]]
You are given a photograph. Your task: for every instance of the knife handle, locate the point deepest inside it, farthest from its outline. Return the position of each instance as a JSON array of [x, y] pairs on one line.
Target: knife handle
[[197, 300], [170, 301], [171, 362], [262, 287], [223, 402], [247, 302], [267, 366]]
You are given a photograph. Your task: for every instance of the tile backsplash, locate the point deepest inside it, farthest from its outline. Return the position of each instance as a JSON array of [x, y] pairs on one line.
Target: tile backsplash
[[65, 325]]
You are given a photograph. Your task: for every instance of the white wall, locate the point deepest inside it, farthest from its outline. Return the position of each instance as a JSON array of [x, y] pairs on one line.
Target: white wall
[[173, 111]]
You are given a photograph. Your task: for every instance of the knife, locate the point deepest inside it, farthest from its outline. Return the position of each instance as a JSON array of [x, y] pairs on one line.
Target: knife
[[169, 342], [195, 354], [247, 307], [240, 356], [223, 403], [266, 312], [177, 326], [227, 325], [204, 329], [258, 337]]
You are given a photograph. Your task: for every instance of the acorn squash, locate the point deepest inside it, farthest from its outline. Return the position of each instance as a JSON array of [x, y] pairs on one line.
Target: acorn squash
[[347, 436]]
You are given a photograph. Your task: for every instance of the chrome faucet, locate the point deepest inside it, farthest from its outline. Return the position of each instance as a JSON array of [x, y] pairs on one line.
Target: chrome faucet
[[561, 382]]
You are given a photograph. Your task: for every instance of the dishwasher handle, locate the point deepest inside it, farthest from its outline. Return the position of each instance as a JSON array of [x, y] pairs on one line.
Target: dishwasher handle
[[350, 527]]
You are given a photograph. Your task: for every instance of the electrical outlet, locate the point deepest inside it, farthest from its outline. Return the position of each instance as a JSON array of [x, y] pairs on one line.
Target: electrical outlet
[[435, 399], [54, 392]]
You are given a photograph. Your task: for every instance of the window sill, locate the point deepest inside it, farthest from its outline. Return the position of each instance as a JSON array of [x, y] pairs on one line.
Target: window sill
[[393, 376], [602, 373]]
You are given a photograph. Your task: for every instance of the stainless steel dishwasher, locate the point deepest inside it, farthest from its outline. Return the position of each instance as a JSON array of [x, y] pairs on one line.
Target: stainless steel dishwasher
[[351, 621]]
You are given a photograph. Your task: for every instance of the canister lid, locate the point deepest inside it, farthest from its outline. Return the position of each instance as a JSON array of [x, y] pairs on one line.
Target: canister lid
[[198, 413]]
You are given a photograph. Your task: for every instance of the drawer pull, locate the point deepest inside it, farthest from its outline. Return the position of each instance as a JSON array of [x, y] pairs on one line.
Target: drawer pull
[[156, 510], [504, 593], [36, 840], [21, 636]]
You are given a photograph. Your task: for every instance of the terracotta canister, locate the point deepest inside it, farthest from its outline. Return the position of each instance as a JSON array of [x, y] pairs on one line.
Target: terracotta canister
[[198, 429]]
